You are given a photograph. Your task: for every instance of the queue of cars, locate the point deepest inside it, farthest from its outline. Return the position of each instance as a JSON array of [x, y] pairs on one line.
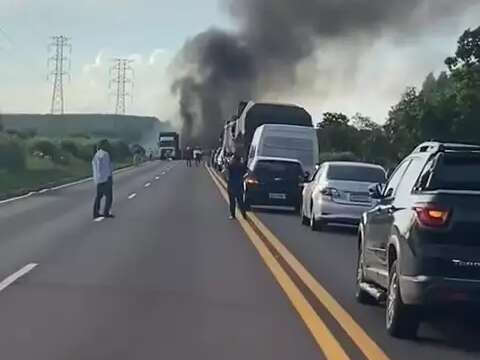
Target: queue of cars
[[418, 230]]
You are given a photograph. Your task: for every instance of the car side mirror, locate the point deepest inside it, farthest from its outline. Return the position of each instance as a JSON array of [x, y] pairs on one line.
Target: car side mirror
[[376, 191], [306, 177]]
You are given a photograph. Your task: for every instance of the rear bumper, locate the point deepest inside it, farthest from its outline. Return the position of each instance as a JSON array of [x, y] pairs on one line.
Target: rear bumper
[[259, 196], [331, 211], [420, 290]]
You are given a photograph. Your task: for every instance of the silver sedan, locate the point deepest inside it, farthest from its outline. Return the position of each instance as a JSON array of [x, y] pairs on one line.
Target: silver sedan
[[338, 192]]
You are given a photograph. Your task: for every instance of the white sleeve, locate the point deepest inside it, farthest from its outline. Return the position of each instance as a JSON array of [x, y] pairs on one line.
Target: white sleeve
[[95, 169]]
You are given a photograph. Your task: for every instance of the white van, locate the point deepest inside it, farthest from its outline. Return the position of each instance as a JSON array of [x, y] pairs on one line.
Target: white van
[[286, 141]]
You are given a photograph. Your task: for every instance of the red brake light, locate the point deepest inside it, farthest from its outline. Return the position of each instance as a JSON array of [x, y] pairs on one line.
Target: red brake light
[[432, 215]]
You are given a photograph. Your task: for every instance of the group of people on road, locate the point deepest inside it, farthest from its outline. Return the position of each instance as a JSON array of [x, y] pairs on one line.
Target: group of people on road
[[193, 154], [103, 178]]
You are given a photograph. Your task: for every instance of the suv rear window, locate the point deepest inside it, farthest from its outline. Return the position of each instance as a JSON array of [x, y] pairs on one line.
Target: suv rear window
[[282, 169], [456, 171], [356, 173]]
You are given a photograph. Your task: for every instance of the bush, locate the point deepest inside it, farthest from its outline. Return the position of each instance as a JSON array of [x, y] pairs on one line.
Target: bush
[[86, 151], [12, 154], [48, 149], [45, 147], [70, 146], [120, 151], [22, 134]]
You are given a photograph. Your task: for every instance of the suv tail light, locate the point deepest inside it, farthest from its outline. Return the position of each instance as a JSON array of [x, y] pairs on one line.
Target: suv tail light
[[432, 215], [251, 180]]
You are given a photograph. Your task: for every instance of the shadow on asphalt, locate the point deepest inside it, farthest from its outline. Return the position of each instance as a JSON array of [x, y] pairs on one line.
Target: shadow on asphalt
[[457, 326]]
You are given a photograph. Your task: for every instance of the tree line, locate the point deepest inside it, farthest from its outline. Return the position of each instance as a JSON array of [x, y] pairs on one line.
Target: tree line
[[445, 108]]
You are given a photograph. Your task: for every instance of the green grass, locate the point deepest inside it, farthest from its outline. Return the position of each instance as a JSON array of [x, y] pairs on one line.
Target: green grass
[[41, 173]]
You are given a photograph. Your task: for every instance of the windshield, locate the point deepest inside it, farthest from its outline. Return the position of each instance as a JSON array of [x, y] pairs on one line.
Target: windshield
[[356, 173], [290, 148], [278, 169]]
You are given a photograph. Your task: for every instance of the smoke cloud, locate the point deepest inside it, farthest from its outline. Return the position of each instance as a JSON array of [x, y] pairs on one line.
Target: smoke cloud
[[272, 51]]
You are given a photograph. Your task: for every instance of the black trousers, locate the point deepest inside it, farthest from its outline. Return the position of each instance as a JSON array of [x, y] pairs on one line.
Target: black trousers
[[189, 163], [235, 197], [103, 190]]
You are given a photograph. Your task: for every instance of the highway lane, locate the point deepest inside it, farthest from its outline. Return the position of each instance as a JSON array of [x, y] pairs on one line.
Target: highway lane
[[331, 258], [169, 278]]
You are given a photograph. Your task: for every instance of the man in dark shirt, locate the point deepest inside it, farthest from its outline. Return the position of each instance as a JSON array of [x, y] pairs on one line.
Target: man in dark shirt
[[236, 171]]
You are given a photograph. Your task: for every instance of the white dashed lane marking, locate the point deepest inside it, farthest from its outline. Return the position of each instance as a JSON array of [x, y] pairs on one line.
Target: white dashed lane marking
[[132, 196], [148, 184], [99, 219]]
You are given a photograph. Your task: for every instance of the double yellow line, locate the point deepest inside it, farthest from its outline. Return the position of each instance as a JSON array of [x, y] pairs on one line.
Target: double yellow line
[[327, 342]]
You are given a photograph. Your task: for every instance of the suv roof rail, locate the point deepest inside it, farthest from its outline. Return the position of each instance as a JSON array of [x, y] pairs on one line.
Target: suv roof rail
[[441, 147]]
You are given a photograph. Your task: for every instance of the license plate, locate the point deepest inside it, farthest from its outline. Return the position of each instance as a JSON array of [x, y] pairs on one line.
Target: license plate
[[360, 198], [275, 196]]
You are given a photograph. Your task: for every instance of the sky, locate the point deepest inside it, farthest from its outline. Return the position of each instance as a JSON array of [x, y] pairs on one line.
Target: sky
[[151, 32]]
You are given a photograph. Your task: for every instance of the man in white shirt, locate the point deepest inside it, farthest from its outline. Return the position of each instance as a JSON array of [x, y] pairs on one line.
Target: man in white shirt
[[102, 176]]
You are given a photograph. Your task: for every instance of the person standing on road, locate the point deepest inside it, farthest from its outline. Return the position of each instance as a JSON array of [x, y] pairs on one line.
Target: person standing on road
[[103, 178], [236, 170], [188, 156]]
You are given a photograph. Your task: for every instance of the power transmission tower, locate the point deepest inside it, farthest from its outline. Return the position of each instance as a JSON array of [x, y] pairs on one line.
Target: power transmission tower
[[121, 74], [58, 67]]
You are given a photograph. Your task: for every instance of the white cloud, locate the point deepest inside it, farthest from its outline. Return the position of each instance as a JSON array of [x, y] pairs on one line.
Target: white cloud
[[87, 68], [155, 55]]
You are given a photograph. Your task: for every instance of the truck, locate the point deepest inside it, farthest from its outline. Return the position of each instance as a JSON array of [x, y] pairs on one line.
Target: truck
[[169, 145], [252, 115]]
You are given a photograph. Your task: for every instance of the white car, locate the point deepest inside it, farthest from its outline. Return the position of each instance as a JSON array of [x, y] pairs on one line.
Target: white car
[[338, 192]]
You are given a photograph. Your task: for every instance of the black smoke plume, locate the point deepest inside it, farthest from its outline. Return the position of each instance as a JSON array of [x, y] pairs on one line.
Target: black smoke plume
[[216, 69]]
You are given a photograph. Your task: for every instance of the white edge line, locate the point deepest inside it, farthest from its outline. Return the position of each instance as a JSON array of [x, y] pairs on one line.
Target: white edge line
[[17, 198], [9, 280]]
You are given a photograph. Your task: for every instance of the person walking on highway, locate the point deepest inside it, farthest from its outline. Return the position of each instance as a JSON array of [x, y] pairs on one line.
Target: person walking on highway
[[188, 156], [103, 178], [235, 173]]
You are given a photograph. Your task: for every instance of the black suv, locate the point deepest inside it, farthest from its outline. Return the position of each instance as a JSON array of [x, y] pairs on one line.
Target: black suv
[[420, 245]]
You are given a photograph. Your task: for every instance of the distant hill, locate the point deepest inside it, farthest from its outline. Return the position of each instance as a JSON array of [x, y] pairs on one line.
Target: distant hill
[[129, 128]]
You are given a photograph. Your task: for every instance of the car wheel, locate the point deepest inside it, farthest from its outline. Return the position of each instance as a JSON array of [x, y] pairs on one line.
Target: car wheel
[[315, 225], [361, 295], [402, 321], [305, 219]]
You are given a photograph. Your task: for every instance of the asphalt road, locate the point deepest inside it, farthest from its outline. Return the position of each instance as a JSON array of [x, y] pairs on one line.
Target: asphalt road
[[172, 278], [169, 278]]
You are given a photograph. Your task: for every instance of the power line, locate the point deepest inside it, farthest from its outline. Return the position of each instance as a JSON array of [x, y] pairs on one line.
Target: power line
[[58, 67], [121, 80]]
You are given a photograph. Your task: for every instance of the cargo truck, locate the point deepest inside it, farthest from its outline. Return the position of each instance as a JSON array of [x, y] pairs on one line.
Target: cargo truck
[[169, 145]]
